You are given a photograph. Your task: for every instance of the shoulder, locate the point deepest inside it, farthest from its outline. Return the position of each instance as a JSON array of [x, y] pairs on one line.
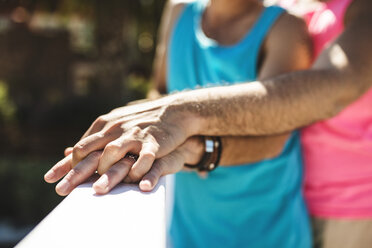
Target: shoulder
[[176, 6], [287, 46], [288, 32], [171, 13], [289, 27]]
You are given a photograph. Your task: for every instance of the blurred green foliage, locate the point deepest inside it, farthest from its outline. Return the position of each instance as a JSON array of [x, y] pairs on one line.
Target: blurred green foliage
[[62, 64], [7, 108], [26, 199]]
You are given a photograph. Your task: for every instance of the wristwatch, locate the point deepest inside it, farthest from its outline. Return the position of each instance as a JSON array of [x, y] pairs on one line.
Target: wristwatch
[[211, 156]]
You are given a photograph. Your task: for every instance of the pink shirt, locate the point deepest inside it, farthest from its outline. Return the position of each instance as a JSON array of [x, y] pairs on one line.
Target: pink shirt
[[338, 151]]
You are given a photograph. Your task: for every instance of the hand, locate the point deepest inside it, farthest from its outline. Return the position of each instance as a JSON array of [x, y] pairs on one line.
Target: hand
[[190, 152], [85, 169], [150, 130]]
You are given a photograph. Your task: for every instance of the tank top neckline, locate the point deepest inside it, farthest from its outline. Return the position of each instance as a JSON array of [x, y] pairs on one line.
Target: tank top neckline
[[205, 41]]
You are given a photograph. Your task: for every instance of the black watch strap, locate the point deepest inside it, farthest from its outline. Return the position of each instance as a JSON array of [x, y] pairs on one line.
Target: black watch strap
[[211, 156]]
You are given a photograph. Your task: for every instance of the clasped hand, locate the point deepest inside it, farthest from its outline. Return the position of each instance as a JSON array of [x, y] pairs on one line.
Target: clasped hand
[[149, 130]]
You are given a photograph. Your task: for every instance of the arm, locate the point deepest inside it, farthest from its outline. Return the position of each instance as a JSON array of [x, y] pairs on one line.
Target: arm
[[75, 173], [110, 128], [339, 76], [171, 12], [287, 48]]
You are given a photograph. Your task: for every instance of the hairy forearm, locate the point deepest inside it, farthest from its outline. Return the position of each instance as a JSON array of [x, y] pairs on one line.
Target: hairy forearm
[[281, 104], [340, 75]]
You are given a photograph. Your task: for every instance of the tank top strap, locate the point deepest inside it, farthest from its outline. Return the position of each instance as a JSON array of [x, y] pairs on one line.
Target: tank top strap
[[259, 32], [263, 25], [256, 34]]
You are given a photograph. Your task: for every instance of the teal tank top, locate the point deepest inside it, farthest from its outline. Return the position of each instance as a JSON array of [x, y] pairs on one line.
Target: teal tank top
[[251, 205]]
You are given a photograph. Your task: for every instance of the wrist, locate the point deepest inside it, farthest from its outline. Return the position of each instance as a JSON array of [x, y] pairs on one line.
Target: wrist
[[211, 154], [179, 107], [193, 149]]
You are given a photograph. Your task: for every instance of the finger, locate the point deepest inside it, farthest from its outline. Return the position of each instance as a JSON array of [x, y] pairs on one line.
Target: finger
[[144, 162], [150, 180], [116, 150], [81, 172], [68, 151], [97, 126], [169, 164], [59, 170], [113, 176], [203, 174], [91, 143]]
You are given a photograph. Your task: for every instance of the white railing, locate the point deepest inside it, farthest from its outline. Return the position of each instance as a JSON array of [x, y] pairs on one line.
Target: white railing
[[126, 217]]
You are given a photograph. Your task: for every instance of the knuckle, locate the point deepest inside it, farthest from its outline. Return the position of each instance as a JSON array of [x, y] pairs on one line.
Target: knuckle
[[100, 135], [148, 155], [78, 150], [114, 125], [136, 130], [101, 119], [112, 148]]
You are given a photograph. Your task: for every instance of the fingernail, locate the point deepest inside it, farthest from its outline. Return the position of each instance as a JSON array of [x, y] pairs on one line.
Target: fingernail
[[102, 182], [145, 185], [49, 175], [63, 186]]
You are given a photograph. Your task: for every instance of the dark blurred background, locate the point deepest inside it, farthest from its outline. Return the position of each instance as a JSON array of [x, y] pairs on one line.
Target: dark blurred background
[[62, 64]]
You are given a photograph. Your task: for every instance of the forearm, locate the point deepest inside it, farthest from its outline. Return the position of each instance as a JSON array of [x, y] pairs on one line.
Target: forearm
[[339, 76], [248, 149], [273, 106], [237, 149]]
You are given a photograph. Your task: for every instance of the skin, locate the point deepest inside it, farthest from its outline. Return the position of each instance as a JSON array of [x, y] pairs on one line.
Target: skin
[[268, 106], [247, 149], [296, 54]]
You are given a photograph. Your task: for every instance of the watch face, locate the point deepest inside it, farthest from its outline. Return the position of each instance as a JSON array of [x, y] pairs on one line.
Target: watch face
[[209, 145]]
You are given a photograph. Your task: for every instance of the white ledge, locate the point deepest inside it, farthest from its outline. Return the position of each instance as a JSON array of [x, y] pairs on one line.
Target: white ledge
[[126, 217]]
